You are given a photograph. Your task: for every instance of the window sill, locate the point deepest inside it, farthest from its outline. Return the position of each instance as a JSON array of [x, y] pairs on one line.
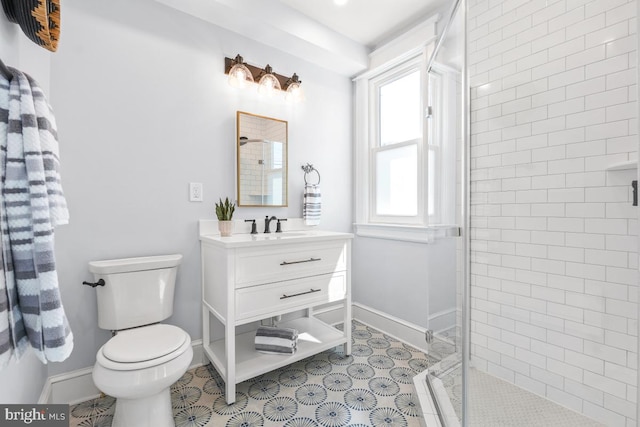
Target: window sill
[[407, 233]]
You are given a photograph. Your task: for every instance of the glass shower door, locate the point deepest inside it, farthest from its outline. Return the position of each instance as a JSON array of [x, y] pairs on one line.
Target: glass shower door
[[446, 131]]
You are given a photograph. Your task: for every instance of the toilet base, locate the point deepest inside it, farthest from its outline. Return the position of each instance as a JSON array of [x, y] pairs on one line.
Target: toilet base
[[152, 411], [143, 396]]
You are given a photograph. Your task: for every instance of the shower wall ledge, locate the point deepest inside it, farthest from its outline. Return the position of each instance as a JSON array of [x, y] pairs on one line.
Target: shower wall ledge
[[626, 165]]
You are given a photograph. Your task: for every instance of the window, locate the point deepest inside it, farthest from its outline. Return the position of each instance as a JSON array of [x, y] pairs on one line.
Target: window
[[398, 129], [397, 158], [405, 150]]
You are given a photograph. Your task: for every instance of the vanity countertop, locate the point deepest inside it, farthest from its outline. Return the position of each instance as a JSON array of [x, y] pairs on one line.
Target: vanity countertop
[[262, 239]]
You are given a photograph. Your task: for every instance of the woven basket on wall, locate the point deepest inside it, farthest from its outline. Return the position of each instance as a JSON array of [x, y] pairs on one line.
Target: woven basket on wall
[[39, 20]]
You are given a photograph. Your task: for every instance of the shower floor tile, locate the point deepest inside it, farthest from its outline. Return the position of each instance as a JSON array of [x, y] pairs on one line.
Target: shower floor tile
[[372, 387], [497, 403]]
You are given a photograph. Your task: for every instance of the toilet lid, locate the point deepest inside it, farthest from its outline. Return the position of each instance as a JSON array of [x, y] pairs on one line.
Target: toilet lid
[[142, 344]]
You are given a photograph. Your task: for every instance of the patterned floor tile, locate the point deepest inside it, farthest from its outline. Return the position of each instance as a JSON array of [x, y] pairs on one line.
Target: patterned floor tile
[[371, 387]]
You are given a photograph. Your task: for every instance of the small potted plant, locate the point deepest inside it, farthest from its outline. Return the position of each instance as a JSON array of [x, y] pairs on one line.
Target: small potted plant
[[224, 212]]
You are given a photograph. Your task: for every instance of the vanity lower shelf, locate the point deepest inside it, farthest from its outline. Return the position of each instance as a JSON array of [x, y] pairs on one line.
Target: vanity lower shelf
[[314, 337]]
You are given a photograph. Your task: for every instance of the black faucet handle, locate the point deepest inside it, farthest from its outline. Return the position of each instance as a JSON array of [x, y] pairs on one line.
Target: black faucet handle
[[278, 228], [254, 230]]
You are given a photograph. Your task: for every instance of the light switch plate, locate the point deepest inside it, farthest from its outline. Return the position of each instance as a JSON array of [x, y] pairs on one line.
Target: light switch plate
[[195, 192]]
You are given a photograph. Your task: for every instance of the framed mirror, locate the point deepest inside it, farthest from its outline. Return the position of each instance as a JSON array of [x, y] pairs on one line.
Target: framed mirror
[[261, 160]]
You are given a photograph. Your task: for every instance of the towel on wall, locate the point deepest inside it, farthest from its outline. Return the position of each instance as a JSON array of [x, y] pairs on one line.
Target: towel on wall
[[311, 205], [274, 340], [32, 203]]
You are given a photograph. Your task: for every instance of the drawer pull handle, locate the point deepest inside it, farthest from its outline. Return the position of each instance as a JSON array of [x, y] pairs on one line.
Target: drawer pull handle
[[285, 296], [300, 262]]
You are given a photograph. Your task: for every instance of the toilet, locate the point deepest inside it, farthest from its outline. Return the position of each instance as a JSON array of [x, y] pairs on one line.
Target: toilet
[[144, 357]]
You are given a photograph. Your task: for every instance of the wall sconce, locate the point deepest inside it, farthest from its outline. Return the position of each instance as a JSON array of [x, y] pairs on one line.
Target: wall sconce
[[241, 74], [268, 82], [293, 89]]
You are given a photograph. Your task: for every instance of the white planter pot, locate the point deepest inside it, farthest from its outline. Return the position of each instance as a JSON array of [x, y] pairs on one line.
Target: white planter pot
[[226, 228]]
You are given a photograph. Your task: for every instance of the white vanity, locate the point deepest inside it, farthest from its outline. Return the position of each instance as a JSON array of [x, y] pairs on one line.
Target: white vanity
[[252, 277]]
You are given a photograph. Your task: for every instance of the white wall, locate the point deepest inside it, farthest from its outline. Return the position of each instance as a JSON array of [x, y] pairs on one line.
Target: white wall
[[554, 287], [143, 108], [406, 280], [16, 51], [410, 281]]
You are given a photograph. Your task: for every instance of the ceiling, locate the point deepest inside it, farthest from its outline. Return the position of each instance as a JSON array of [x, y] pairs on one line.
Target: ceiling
[[367, 22], [318, 31]]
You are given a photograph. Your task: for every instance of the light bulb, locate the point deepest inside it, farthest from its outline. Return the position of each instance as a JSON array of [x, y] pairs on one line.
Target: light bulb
[[239, 74], [294, 92], [268, 83]]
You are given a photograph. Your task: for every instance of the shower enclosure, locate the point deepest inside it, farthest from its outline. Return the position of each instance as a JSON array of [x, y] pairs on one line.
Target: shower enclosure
[[540, 100], [446, 128]]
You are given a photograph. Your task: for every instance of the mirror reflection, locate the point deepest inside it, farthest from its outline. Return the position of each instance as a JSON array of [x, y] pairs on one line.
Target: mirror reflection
[[262, 160]]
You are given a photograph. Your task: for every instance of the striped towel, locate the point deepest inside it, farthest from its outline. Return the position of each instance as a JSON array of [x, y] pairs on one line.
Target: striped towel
[[311, 206], [276, 340], [31, 205]]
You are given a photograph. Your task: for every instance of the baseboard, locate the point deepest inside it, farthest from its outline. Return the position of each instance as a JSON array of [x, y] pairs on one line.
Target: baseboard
[[399, 329], [77, 386], [71, 387], [443, 320], [332, 315], [403, 331]]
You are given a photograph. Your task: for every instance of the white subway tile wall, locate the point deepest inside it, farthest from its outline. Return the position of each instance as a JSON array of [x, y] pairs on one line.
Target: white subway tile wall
[[554, 264]]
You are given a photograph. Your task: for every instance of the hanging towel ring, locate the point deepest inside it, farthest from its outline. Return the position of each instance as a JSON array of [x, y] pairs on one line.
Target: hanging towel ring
[[308, 168]]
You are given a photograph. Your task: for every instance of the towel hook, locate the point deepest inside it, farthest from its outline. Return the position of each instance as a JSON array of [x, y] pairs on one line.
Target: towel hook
[[308, 168], [6, 73]]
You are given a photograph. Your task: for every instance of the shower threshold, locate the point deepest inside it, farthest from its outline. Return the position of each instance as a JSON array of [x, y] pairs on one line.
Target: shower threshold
[[439, 407], [438, 397]]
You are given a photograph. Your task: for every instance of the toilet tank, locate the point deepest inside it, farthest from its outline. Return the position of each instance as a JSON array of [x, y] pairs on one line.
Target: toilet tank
[[137, 291]]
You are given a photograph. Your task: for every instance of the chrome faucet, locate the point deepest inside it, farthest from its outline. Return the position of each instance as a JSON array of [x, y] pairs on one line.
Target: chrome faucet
[[267, 221]]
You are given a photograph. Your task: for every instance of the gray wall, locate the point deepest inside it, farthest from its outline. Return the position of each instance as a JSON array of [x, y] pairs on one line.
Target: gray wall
[[410, 281], [16, 51], [143, 108], [407, 280]]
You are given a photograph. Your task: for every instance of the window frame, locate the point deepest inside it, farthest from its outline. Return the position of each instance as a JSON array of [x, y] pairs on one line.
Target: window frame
[[424, 227], [417, 43], [395, 73]]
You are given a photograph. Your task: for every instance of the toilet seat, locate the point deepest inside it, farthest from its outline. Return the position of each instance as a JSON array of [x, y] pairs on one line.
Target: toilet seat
[[143, 347]]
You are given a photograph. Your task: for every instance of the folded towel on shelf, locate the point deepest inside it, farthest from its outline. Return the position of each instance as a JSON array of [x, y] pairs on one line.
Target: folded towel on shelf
[[274, 340], [311, 206]]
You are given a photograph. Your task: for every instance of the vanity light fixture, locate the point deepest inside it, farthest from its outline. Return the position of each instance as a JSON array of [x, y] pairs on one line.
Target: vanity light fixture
[[268, 82], [294, 92], [241, 74]]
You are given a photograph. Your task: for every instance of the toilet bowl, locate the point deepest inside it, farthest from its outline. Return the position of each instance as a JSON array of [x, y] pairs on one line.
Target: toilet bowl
[[140, 362], [137, 367]]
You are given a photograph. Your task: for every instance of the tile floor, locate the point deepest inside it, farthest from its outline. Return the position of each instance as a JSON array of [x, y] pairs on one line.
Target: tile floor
[[372, 387], [497, 403]]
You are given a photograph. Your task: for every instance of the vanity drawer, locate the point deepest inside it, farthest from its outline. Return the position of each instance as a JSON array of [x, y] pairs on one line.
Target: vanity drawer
[[258, 302], [257, 266]]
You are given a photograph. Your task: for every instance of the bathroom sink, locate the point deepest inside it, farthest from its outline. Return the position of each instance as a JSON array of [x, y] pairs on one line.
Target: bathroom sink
[[241, 240], [276, 236], [289, 234]]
